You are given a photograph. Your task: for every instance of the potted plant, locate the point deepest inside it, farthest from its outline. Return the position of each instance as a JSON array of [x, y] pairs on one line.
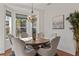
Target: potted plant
[[73, 18]]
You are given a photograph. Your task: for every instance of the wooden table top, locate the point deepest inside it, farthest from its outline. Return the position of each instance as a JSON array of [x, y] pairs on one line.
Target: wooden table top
[[37, 41], [29, 41]]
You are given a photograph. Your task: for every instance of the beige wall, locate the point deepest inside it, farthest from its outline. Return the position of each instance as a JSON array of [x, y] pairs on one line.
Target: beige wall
[[2, 17], [67, 42], [45, 25]]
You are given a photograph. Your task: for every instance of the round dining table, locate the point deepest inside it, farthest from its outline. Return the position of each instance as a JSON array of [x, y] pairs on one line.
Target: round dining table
[[36, 43]]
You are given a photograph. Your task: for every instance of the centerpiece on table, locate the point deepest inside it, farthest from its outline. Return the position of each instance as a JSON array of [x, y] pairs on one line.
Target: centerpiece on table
[[33, 20]]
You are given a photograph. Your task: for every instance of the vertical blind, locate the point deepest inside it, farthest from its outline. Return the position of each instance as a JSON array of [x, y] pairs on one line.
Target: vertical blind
[[8, 13]]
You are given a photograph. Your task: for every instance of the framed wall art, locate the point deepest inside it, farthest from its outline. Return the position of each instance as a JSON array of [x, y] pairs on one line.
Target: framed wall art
[[58, 22]]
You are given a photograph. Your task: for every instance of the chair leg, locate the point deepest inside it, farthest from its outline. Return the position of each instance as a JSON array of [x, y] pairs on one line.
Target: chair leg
[[56, 54], [13, 53], [37, 54]]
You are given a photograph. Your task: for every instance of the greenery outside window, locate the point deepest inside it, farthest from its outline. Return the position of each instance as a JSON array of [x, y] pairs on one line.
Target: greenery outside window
[[21, 21]]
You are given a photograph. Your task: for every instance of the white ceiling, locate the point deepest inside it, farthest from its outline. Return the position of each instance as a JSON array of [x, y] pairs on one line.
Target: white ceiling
[[43, 6], [37, 6]]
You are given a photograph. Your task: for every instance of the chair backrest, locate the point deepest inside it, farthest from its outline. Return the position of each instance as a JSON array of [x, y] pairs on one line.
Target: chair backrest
[[40, 35], [18, 46], [54, 42], [10, 36], [24, 35]]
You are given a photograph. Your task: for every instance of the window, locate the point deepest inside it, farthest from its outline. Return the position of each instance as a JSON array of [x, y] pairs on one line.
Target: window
[[8, 23], [21, 21]]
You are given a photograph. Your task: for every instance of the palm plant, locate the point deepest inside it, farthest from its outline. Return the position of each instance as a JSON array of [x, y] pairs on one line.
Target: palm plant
[[74, 20]]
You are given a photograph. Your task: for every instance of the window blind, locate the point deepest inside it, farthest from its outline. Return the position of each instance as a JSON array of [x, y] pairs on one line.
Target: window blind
[[21, 16]]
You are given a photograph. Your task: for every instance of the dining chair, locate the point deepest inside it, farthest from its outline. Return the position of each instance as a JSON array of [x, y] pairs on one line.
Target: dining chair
[[10, 37], [40, 35], [24, 35], [20, 49], [50, 51]]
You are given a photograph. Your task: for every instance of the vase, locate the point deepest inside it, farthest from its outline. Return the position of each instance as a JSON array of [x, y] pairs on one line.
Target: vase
[[33, 31]]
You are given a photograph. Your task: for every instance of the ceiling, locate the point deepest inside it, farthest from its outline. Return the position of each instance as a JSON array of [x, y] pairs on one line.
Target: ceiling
[[38, 6], [43, 6]]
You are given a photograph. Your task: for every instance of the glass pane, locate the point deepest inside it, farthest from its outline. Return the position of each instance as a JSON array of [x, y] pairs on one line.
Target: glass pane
[[20, 27], [8, 25]]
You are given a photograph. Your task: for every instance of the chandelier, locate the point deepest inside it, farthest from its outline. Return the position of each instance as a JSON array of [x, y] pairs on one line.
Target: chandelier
[[32, 18]]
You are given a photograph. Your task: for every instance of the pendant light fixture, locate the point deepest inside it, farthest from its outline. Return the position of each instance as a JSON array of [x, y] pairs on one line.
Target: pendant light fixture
[[32, 17]]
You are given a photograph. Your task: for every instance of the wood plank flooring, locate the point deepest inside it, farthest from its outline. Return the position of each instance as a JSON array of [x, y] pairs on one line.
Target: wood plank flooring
[[7, 53], [59, 53]]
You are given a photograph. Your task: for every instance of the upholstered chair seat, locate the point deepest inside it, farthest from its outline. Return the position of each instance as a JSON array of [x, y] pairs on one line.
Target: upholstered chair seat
[[20, 49]]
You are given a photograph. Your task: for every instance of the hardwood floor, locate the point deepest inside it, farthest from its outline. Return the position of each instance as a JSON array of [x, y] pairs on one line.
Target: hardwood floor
[[62, 53], [77, 53], [7, 53], [59, 53]]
